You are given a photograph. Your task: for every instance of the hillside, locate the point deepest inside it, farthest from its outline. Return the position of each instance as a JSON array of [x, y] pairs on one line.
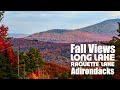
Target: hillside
[[102, 31], [55, 55], [58, 53], [51, 52]]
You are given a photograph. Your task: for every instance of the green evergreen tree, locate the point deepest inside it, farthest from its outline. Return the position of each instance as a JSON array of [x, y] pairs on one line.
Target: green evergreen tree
[[64, 75], [116, 41], [32, 60], [6, 69]]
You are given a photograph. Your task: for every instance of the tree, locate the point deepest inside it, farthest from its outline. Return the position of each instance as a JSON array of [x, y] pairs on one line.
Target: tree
[[7, 71], [1, 15], [32, 60], [64, 75], [116, 42]]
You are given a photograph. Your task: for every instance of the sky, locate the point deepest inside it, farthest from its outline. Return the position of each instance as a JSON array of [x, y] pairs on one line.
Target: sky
[[29, 22]]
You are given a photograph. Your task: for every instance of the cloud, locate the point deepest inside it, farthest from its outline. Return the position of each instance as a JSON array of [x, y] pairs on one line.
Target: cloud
[[25, 14], [36, 21]]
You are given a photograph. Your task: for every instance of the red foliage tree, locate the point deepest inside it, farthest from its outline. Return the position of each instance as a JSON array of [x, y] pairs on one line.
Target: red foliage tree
[[5, 44]]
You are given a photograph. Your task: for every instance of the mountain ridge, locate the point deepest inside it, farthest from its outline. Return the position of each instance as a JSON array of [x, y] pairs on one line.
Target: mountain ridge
[[102, 31]]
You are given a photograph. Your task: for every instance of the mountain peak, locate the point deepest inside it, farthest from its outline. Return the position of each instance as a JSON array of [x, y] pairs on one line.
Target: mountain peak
[[57, 31]]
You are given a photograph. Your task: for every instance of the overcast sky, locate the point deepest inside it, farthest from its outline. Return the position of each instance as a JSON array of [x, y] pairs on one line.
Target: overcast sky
[[30, 22]]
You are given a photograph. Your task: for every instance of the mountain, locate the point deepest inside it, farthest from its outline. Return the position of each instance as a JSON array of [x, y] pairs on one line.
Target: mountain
[[106, 27], [102, 31], [17, 35]]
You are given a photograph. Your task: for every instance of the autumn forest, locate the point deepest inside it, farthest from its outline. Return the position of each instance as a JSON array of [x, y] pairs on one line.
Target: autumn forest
[[23, 58]]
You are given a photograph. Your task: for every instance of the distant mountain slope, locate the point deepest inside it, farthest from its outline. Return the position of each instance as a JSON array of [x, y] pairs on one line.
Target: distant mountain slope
[[17, 35], [106, 27], [102, 31], [60, 31]]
